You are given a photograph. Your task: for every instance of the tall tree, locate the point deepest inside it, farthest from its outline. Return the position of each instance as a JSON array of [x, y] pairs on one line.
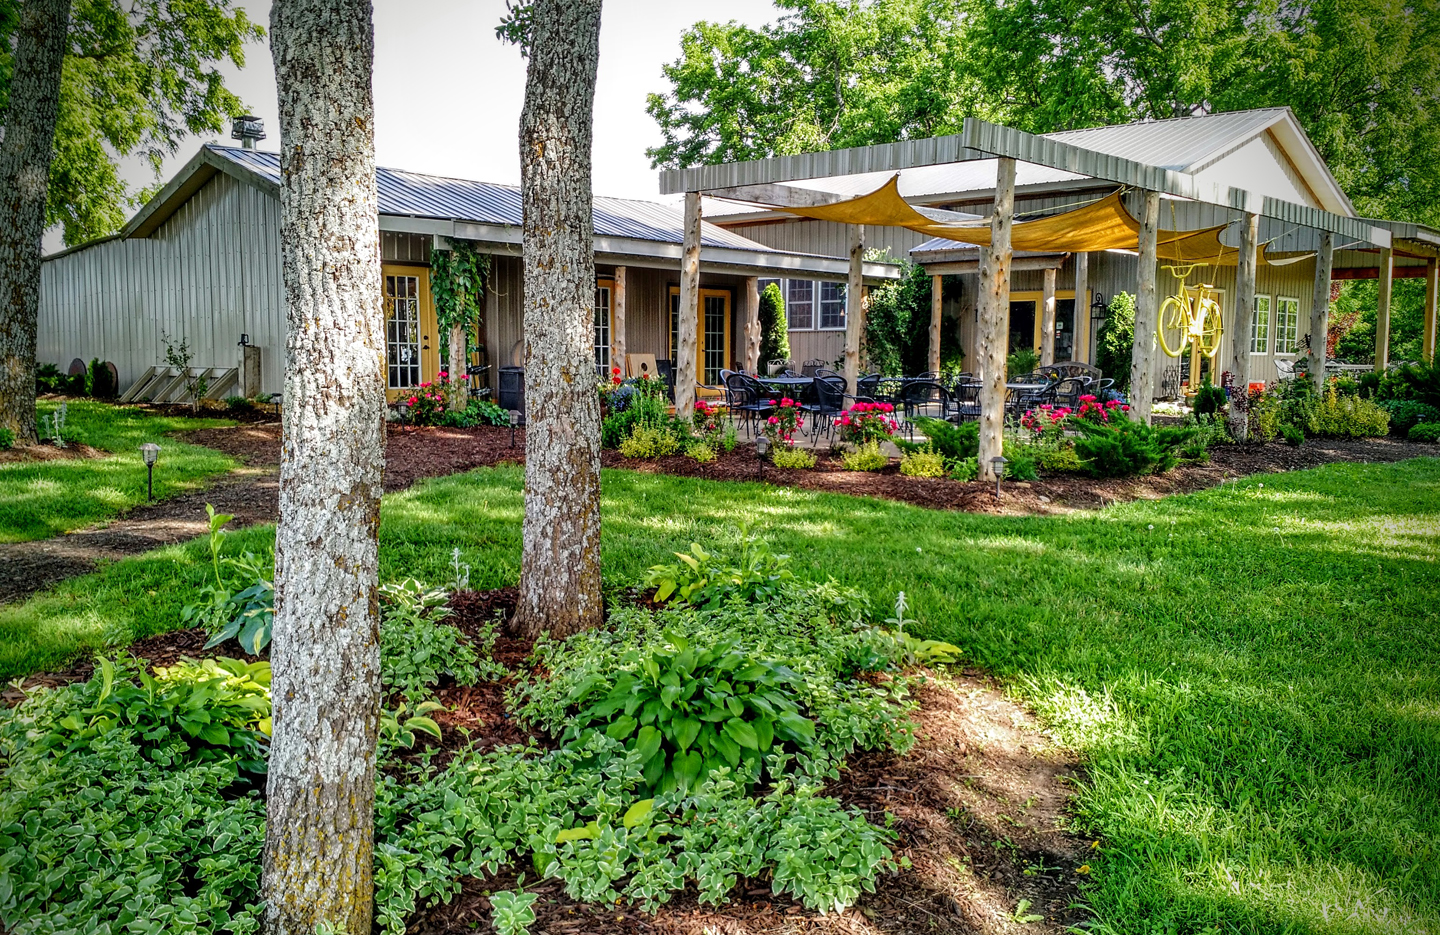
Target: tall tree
[[25, 154], [560, 554], [325, 657]]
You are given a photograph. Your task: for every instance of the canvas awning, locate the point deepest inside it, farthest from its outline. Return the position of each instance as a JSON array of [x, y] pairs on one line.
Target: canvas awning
[[1102, 225]]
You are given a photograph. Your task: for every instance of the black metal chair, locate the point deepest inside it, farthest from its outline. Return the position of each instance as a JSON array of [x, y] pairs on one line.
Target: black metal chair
[[829, 402], [966, 401], [808, 368], [746, 397], [1067, 392], [925, 399], [866, 386]]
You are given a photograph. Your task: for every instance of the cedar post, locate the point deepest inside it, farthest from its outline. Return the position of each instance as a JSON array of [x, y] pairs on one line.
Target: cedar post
[[1320, 309], [1047, 320], [752, 323], [936, 307], [854, 306], [1082, 334], [619, 345], [1432, 295], [1147, 313], [689, 315], [1382, 316], [994, 312], [1244, 313], [459, 392]]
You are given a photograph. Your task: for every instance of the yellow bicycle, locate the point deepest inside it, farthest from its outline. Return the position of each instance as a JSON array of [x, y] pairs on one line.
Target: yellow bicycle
[[1194, 312]]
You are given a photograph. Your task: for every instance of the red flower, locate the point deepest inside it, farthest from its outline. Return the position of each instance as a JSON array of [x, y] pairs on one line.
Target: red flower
[[412, 400], [615, 380], [615, 370]]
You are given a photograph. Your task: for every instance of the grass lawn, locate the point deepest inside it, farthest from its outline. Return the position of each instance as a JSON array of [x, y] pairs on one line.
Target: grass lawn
[[1252, 674], [46, 498]]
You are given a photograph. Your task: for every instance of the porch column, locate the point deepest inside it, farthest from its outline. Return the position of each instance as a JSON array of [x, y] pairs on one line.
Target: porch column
[[1147, 313], [1382, 313], [689, 314], [854, 306], [1320, 309], [618, 342], [752, 323], [1244, 317], [1047, 319], [994, 312], [1432, 296], [1082, 308], [936, 306]]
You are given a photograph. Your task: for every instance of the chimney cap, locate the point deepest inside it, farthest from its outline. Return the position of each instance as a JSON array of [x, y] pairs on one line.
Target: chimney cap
[[247, 129]]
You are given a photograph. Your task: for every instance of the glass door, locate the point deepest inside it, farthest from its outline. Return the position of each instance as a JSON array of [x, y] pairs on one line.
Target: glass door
[[402, 331], [1022, 326]]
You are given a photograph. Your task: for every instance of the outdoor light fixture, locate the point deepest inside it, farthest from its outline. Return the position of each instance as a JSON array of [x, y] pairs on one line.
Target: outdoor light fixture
[[997, 465], [151, 453], [403, 410], [762, 448], [244, 339], [1098, 308], [514, 421]]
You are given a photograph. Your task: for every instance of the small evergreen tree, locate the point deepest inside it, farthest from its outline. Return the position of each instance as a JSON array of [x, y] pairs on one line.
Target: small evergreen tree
[[774, 329], [1116, 341]]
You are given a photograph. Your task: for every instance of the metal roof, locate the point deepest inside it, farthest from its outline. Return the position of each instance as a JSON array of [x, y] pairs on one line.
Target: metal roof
[[1184, 144], [413, 194]]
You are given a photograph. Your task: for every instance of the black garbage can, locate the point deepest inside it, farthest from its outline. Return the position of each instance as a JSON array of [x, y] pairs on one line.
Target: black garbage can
[[512, 389]]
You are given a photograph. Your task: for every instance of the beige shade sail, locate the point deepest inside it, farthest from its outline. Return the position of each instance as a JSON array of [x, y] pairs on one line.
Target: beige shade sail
[[1102, 225]]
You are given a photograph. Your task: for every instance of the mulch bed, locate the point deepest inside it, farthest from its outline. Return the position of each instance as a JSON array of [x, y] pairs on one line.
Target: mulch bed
[[74, 451]]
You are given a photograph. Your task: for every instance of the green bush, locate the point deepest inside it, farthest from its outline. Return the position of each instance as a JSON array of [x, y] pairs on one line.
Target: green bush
[[49, 379], [647, 441], [1124, 448], [1292, 435], [1022, 468], [1405, 413], [7, 438], [923, 463], [965, 469], [866, 457], [1021, 362], [784, 457], [239, 404], [102, 384], [953, 442], [700, 452], [1349, 416], [711, 578], [1418, 382], [1060, 458], [476, 412], [1115, 342], [774, 327], [1209, 399], [1425, 432]]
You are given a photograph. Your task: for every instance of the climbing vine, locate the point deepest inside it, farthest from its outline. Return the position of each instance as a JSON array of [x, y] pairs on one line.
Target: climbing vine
[[458, 277]]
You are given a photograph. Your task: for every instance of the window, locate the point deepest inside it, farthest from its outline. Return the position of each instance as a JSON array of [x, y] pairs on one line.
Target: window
[[602, 329], [800, 305], [1287, 325], [832, 306], [1260, 326], [402, 331]]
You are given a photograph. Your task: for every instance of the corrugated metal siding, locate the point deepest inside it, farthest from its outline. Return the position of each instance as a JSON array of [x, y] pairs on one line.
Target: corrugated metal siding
[[209, 274]]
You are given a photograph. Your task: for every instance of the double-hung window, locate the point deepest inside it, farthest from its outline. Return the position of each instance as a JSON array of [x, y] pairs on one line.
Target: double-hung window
[[602, 329], [832, 306], [1260, 326], [1287, 325], [800, 305]]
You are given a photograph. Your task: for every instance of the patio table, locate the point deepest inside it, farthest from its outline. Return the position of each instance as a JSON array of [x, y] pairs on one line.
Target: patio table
[[789, 386]]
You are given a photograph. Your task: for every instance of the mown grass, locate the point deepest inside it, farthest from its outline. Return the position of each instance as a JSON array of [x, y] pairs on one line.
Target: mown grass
[[1252, 674], [39, 499]]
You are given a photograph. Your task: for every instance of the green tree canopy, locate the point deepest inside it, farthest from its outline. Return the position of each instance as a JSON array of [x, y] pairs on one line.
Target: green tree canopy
[[1363, 77], [139, 76]]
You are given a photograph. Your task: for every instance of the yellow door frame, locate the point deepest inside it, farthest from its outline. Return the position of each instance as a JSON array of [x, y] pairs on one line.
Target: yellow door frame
[[700, 326], [429, 328], [1082, 337]]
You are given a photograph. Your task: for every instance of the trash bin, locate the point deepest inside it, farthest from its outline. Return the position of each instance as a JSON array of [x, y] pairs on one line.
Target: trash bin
[[512, 389]]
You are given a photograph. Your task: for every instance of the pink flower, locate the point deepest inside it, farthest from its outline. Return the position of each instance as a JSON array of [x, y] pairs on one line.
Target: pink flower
[[412, 400], [774, 420], [444, 374]]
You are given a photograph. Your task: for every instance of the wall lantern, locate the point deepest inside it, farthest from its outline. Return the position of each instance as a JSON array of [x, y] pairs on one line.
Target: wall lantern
[[244, 339], [1099, 310], [151, 453], [997, 466]]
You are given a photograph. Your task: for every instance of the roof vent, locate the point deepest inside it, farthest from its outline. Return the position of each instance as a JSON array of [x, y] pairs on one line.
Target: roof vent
[[248, 129]]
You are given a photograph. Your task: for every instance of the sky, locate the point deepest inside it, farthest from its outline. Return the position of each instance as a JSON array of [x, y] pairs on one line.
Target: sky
[[448, 94]]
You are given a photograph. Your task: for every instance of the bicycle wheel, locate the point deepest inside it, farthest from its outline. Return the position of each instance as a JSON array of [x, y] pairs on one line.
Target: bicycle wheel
[[1174, 315], [1211, 327]]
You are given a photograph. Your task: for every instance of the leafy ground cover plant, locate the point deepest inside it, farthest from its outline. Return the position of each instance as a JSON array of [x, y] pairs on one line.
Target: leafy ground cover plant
[[800, 458], [865, 456], [923, 463], [711, 578], [247, 614], [417, 647], [476, 412], [7, 438]]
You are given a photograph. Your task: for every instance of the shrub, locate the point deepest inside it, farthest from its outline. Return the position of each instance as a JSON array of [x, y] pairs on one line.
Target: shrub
[[102, 384], [865, 457], [784, 421], [924, 463], [1292, 435], [1115, 342], [965, 469], [1263, 414], [239, 404], [1425, 432], [774, 327], [792, 458], [649, 442], [1022, 361], [1418, 382], [1124, 448], [953, 442], [864, 423], [1349, 416], [476, 412], [429, 404], [1022, 468], [1060, 458], [49, 379], [7, 438], [701, 452], [1209, 399], [1405, 413]]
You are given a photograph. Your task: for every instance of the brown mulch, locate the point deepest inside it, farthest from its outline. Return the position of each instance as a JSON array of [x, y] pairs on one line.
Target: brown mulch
[[75, 451]]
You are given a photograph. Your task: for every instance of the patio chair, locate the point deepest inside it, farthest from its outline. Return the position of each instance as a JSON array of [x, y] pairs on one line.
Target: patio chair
[[925, 399], [808, 368], [779, 366], [829, 403], [1067, 392], [966, 401], [746, 397], [866, 386]]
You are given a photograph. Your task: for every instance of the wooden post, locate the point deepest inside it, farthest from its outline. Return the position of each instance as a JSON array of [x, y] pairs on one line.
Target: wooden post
[[854, 306], [752, 323], [455, 363], [1320, 309], [689, 315], [1082, 308], [1432, 296], [1244, 317], [619, 343], [1047, 320], [994, 313], [937, 286], [1382, 316], [1147, 314]]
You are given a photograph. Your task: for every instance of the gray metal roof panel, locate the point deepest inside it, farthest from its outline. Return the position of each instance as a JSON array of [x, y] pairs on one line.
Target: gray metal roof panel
[[433, 196], [1179, 143]]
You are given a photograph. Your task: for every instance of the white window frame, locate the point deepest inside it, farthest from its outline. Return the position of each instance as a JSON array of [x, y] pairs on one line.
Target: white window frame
[[1255, 322], [1280, 325], [402, 317], [601, 330], [838, 297], [791, 303]]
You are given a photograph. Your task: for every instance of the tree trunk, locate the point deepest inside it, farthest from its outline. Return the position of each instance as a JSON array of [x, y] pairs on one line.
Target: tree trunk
[[41, 38], [560, 553], [1382, 311], [854, 307], [937, 308], [752, 323], [994, 335], [1320, 309], [619, 340], [455, 367], [687, 321], [1147, 314], [1081, 336], [1047, 319], [1246, 264], [325, 656]]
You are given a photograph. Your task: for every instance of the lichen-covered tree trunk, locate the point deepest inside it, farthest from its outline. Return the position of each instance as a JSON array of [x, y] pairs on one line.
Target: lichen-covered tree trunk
[[1240, 334], [1147, 314], [995, 262], [25, 153], [560, 553], [325, 655]]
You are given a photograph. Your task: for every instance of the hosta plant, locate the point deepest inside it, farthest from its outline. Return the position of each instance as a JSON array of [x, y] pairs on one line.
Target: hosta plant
[[689, 710], [704, 577]]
